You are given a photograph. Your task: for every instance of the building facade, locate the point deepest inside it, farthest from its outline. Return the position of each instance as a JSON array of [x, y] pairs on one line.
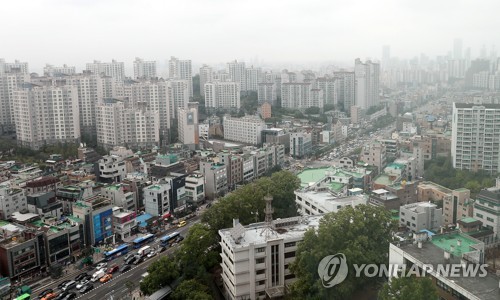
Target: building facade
[[247, 129]]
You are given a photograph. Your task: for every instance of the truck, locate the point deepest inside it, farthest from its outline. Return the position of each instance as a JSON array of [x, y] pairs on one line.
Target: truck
[[144, 251], [98, 275]]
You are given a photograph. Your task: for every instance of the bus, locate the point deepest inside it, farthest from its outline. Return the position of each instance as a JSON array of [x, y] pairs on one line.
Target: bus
[[119, 251], [25, 296], [148, 238], [164, 241]]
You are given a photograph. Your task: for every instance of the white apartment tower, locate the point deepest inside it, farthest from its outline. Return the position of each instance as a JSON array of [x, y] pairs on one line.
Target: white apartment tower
[[345, 88], [188, 125], [253, 77], [474, 138], [9, 82], [178, 95], [46, 115], [247, 129], [156, 94], [222, 94], [206, 76], [181, 69], [296, 95], [53, 71], [144, 69], [367, 83], [237, 73], [15, 67], [113, 69], [266, 92]]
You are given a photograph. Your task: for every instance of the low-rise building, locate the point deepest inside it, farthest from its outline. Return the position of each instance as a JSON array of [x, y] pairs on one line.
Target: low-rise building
[[121, 195], [156, 199], [124, 222], [195, 188], [247, 129], [11, 200], [420, 216], [318, 202]]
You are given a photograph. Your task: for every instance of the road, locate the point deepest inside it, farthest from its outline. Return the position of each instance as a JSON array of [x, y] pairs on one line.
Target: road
[[116, 286]]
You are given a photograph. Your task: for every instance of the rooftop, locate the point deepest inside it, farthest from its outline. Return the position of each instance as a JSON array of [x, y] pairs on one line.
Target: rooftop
[[432, 185], [447, 240], [468, 220], [383, 179]]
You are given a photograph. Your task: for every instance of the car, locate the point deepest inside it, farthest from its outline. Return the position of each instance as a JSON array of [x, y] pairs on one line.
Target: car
[[182, 223], [151, 254], [106, 278], [49, 296], [81, 276], [139, 260], [113, 269], [130, 261], [125, 268], [179, 239], [70, 296], [86, 288], [70, 285], [61, 296], [101, 265], [62, 284], [82, 284], [128, 256], [87, 277], [162, 249], [45, 292]]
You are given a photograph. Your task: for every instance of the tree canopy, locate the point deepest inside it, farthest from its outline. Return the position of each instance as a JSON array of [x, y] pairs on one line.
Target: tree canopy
[[362, 234], [191, 289], [161, 272], [408, 288]]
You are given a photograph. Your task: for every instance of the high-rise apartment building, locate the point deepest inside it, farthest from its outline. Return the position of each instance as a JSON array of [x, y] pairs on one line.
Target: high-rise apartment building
[[237, 73], [188, 125], [179, 95], [367, 83], [113, 69], [181, 69], [474, 139], [345, 89], [119, 124], [457, 49], [206, 76], [247, 129], [266, 92], [222, 94], [53, 71], [9, 82], [46, 115], [15, 67], [328, 86], [144, 69], [386, 57], [253, 77], [298, 95], [156, 94]]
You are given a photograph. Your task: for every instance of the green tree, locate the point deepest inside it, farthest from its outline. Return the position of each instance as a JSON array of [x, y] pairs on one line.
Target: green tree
[[191, 289], [408, 288], [161, 272], [313, 110], [362, 234]]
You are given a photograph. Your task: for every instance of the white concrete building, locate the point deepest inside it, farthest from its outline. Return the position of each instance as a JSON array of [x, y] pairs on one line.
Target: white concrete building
[[206, 76], [53, 71], [123, 222], [11, 200], [253, 77], [195, 187], [157, 95], [203, 130], [328, 86], [312, 202], [367, 83], [178, 95], [266, 92], [111, 169], [46, 115], [256, 258], [119, 125], [120, 195], [15, 67], [296, 95], [222, 95], [216, 178], [188, 125], [487, 208], [113, 69], [181, 69], [421, 215], [156, 199], [300, 144], [247, 129], [9, 82], [474, 139], [144, 69], [237, 73], [345, 89]]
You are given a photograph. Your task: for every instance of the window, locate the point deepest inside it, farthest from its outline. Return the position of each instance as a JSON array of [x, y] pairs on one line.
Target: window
[[290, 254], [260, 260], [262, 249], [291, 244], [260, 272]]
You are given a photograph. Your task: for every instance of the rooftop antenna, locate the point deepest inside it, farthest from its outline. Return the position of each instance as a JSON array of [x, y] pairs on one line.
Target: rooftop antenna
[[269, 226]]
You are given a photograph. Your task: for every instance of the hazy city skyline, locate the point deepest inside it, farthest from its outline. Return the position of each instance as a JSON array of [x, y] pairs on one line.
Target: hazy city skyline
[[77, 32]]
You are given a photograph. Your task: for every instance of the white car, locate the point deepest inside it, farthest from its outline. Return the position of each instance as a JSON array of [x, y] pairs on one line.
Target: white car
[[151, 254], [82, 284], [101, 266]]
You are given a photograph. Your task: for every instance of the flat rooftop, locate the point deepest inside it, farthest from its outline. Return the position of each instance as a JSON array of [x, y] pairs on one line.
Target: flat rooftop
[[309, 176], [446, 241], [432, 185]]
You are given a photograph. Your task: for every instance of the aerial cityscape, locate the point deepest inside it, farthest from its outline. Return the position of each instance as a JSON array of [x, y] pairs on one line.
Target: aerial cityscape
[[330, 162]]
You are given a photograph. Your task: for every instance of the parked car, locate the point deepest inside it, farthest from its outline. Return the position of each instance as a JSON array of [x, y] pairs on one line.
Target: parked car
[[101, 266], [113, 269], [106, 278], [70, 285], [82, 284], [62, 284], [80, 276], [86, 288], [125, 268], [45, 292]]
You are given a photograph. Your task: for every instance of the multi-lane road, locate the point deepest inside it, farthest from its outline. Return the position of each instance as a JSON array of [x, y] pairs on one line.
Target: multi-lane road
[[116, 288]]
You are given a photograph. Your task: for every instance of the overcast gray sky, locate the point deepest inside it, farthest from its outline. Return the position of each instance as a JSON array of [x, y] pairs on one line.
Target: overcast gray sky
[[211, 31]]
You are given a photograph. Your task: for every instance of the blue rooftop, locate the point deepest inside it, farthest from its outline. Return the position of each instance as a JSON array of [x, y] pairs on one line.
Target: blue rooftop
[[141, 220]]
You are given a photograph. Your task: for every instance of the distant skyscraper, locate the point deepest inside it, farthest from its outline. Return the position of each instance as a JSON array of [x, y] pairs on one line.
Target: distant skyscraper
[[237, 73], [367, 83], [144, 69], [9, 82], [225, 94], [181, 69], [52, 71], [253, 78], [15, 67], [206, 75], [114, 69], [457, 49], [345, 88], [386, 57], [179, 95]]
